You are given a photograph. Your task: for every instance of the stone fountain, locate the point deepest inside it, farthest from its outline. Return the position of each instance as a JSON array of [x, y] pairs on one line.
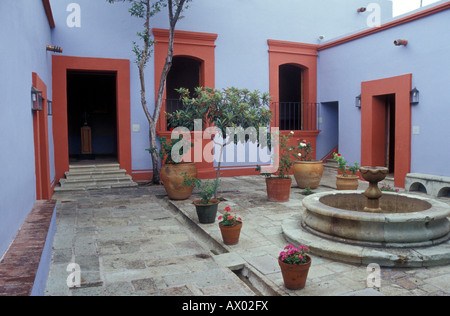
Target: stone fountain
[[387, 228]]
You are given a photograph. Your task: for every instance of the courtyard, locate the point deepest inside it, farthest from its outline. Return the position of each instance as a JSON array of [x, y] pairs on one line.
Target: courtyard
[[135, 241]]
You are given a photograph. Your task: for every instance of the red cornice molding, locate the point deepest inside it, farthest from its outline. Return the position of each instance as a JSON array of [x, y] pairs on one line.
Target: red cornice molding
[[406, 19], [276, 46], [48, 12], [202, 39]]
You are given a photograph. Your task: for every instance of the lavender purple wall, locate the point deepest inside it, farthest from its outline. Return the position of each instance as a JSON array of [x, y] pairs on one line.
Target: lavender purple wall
[[24, 33], [344, 67]]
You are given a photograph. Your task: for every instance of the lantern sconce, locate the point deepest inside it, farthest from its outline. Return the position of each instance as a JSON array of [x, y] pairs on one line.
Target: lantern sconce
[[358, 101], [36, 99], [361, 10], [49, 108], [400, 42], [415, 96]]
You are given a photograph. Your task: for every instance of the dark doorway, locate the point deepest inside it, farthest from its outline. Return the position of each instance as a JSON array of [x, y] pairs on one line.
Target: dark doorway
[[185, 73], [390, 132], [91, 110], [290, 107]]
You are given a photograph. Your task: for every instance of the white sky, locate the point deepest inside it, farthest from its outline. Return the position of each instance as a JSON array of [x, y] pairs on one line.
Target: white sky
[[404, 6]]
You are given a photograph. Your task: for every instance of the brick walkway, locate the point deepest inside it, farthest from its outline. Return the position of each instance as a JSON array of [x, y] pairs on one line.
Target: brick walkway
[[19, 266], [136, 242]]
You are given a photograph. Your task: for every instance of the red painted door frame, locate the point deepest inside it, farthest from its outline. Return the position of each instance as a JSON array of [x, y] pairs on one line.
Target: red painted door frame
[[41, 147], [61, 64], [373, 122]]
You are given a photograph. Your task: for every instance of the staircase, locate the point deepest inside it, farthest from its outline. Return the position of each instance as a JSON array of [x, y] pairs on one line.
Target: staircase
[[95, 177]]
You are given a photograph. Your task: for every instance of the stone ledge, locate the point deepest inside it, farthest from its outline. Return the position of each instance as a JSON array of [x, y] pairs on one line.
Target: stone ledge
[[23, 269], [435, 186]]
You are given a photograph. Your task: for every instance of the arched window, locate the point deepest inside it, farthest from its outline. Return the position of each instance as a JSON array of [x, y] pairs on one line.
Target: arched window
[[185, 73]]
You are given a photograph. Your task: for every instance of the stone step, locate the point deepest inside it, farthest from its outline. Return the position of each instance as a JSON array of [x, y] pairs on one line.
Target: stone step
[[95, 174], [92, 168], [86, 182], [95, 177], [59, 188]]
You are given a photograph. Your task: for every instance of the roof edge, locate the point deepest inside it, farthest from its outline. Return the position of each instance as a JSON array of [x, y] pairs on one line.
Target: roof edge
[[406, 19]]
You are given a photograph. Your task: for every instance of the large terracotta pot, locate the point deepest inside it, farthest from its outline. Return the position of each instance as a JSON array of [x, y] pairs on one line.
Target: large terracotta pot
[[308, 174], [278, 190], [172, 177], [230, 234], [294, 275], [206, 213], [347, 182]]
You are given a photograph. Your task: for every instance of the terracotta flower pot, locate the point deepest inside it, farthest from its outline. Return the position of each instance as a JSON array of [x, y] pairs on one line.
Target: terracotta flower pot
[[172, 177], [295, 276], [278, 190], [230, 234], [308, 174], [206, 213], [347, 182]]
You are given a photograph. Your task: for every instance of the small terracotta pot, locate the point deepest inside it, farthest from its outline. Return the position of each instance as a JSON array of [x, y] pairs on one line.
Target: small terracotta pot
[[230, 234], [347, 182], [278, 190], [295, 276], [308, 174]]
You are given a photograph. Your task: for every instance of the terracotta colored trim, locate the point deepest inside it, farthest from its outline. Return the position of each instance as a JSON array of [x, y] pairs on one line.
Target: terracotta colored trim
[[48, 12], [190, 38], [406, 19], [61, 64], [200, 46], [41, 147], [373, 122], [300, 54]]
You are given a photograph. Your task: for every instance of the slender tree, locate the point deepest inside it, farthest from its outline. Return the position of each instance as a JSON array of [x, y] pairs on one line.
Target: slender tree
[[146, 9]]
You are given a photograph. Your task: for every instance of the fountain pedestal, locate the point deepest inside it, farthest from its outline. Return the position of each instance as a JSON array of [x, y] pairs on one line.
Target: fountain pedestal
[[373, 194]]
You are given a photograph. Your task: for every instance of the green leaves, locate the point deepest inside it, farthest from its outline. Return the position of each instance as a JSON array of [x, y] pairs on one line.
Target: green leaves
[[230, 107]]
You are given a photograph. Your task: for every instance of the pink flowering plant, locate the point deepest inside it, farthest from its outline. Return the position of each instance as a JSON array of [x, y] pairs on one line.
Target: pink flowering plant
[[294, 255], [229, 219]]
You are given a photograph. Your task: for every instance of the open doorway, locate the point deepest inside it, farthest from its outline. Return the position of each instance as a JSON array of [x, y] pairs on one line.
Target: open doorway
[[92, 116], [387, 124], [390, 133], [291, 97]]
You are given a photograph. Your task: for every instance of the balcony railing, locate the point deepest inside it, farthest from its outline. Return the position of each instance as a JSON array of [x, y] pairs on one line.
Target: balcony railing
[[296, 116], [291, 116]]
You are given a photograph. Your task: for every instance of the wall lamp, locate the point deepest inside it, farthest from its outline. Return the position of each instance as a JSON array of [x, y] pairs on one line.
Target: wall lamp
[[400, 42], [36, 99], [55, 49], [415, 94], [358, 101], [361, 10]]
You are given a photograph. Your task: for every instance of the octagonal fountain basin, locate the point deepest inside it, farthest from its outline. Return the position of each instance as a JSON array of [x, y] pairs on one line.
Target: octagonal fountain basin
[[405, 220]]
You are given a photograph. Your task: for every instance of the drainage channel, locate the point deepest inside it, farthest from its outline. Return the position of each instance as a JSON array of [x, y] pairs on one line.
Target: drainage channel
[[249, 275]]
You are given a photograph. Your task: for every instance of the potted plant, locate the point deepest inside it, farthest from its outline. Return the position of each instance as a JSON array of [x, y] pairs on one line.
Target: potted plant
[[206, 207], [279, 184], [223, 110], [346, 181], [230, 227], [307, 172], [295, 264], [172, 170]]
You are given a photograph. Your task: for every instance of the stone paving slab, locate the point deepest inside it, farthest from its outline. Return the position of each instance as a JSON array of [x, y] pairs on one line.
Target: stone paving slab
[[148, 245]]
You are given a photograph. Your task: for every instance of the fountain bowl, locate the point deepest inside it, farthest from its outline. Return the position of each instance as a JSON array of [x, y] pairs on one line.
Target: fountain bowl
[[405, 220]]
